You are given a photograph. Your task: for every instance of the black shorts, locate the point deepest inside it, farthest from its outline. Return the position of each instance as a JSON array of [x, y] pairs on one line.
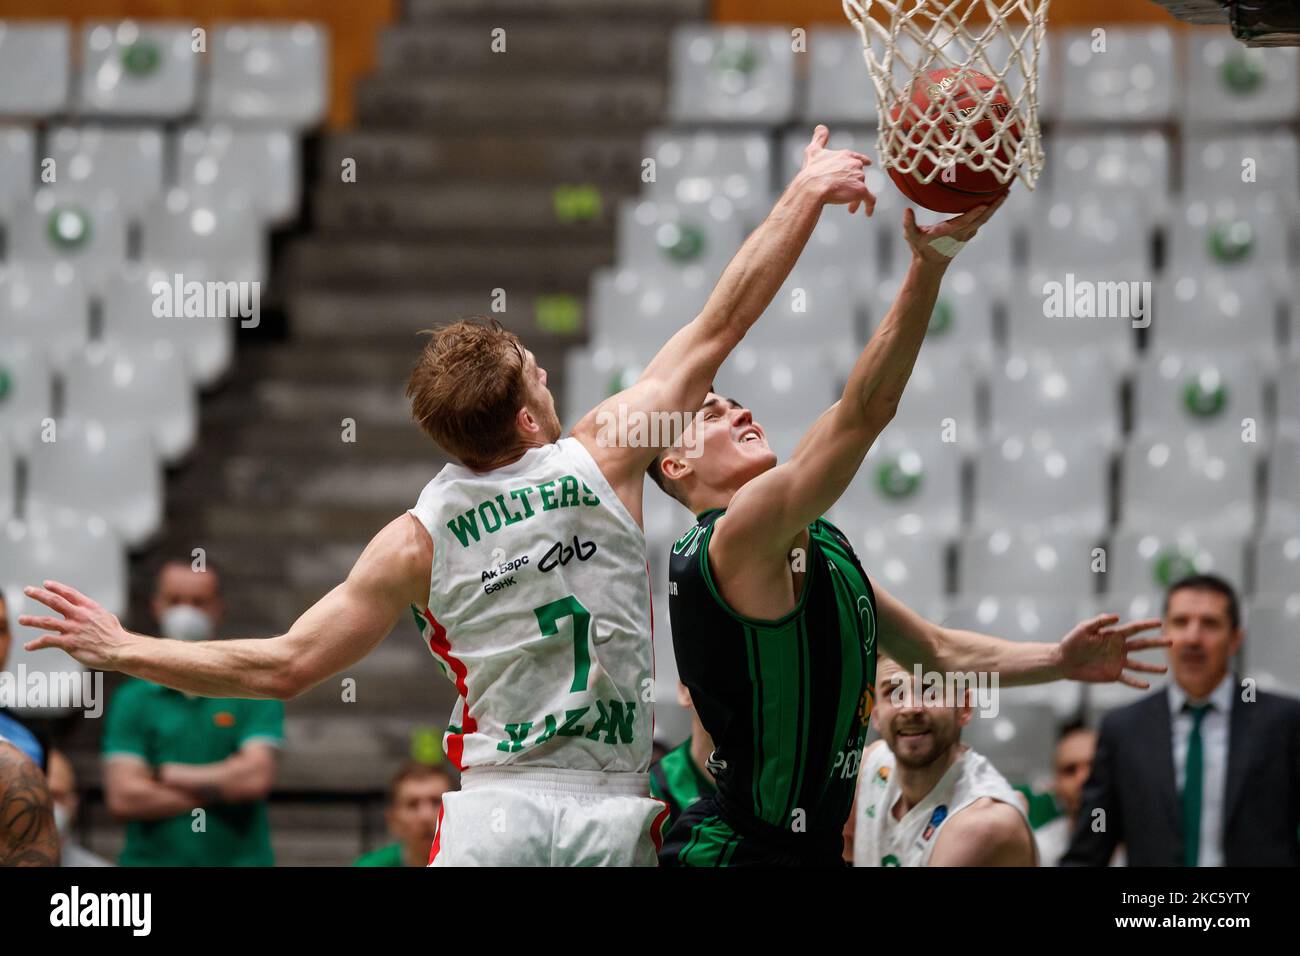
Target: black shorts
[[703, 836]]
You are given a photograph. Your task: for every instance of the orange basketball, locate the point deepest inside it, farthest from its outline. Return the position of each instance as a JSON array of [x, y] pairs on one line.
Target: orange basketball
[[965, 188]]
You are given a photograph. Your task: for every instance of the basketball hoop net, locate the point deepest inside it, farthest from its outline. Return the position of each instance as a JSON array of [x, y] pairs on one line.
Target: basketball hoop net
[[903, 40]]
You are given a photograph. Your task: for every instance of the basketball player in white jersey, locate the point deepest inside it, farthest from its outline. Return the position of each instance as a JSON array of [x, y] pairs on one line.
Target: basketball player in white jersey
[[524, 564], [926, 799]]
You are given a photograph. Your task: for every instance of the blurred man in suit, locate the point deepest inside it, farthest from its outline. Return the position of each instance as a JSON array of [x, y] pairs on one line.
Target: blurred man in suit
[[1205, 772]]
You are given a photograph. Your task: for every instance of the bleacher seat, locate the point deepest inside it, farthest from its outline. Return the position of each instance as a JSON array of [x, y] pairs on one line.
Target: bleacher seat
[[1032, 326], [1211, 313], [1217, 394], [731, 74], [1063, 393], [1132, 80], [88, 233], [1288, 396], [668, 238], [847, 244], [276, 74], [108, 470], [1145, 561], [63, 544], [813, 310], [91, 160], [1054, 483], [940, 393], [206, 344], [17, 164], [204, 241], [1020, 740], [1243, 243], [839, 88], [8, 475], [223, 164], [697, 167], [1075, 236], [139, 68], [1282, 503], [1202, 481], [1215, 167], [593, 374], [1026, 561], [45, 305], [55, 667], [641, 310], [1228, 82], [1113, 167], [35, 67], [1272, 643], [1277, 562], [26, 391], [911, 567], [143, 386], [908, 483]]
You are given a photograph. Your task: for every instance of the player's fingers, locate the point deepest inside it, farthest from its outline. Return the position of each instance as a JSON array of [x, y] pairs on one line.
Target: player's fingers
[[45, 623], [1145, 667], [1135, 627], [1134, 682], [1100, 621], [1146, 643], [50, 600], [820, 137], [863, 158], [71, 593], [853, 207], [909, 225], [48, 640], [989, 210]]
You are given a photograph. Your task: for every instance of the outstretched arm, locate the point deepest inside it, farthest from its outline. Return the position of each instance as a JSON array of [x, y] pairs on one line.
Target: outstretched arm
[[28, 836], [768, 512], [678, 378], [338, 630], [1096, 651]]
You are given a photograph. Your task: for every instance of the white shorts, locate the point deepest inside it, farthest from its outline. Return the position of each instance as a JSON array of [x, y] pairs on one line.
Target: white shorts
[[523, 816]]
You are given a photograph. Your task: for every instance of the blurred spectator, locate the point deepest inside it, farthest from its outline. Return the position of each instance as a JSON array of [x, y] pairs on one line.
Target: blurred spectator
[[168, 755], [1052, 814], [18, 734], [414, 808], [1205, 772], [63, 793], [682, 775], [926, 799]]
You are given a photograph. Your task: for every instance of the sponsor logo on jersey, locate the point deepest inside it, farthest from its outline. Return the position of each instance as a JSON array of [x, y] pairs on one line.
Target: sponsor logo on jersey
[[490, 516], [715, 764], [940, 814], [882, 776], [561, 554], [501, 576], [614, 723]]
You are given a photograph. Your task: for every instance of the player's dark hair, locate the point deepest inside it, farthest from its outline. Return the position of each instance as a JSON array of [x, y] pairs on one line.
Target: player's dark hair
[[1071, 727], [1212, 583], [415, 770]]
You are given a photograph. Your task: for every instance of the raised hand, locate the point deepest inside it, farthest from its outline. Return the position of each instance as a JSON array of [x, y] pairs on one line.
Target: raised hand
[[940, 242], [838, 174], [86, 631], [1098, 651]]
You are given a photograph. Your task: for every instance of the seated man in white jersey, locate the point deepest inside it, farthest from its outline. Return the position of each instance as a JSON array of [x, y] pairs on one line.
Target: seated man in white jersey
[[524, 565], [925, 798]]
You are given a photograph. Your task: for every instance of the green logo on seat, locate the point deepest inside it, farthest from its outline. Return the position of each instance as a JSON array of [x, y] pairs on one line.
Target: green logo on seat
[[1232, 241], [1172, 565], [6, 383], [1205, 396], [682, 242], [68, 227], [898, 477], [1241, 75], [141, 59], [736, 59], [941, 319]]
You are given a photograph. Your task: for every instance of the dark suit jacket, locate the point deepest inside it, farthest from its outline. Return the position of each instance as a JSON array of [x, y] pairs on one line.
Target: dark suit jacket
[[1133, 781]]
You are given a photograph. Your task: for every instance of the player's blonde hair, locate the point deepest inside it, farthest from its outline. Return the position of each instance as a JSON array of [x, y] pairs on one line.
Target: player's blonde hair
[[467, 387]]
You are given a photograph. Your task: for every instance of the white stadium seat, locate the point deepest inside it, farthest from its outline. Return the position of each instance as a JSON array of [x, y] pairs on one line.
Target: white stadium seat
[[1228, 82], [1038, 481], [697, 167], [1272, 643], [269, 73], [219, 162], [88, 233], [908, 483], [1214, 394], [1200, 481], [66, 545], [204, 241], [127, 162], [35, 67], [45, 305], [140, 68], [17, 164], [1063, 393], [1131, 79], [731, 74], [26, 391]]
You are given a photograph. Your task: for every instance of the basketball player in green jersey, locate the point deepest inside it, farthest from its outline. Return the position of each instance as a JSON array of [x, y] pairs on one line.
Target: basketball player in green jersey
[[775, 623]]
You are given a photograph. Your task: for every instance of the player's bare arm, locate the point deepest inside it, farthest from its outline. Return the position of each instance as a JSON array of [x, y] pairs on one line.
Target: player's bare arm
[[987, 833], [679, 376], [769, 516], [28, 836], [392, 573], [1098, 650]]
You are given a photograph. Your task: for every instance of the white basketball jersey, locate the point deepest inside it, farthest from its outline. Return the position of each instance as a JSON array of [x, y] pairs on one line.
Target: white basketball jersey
[[880, 840], [539, 613]]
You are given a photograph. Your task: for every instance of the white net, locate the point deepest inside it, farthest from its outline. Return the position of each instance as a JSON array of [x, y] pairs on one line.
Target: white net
[[926, 127]]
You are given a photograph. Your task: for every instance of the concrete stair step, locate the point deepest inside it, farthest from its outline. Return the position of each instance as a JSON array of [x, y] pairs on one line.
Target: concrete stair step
[[598, 156], [326, 262], [487, 104], [538, 48], [491, 211]]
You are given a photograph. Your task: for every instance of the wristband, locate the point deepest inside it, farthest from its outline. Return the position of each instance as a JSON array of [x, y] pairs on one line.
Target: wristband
[[946, 246]]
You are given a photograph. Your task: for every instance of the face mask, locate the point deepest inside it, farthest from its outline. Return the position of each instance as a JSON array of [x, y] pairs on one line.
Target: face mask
[[181, 622], [62, 819]]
